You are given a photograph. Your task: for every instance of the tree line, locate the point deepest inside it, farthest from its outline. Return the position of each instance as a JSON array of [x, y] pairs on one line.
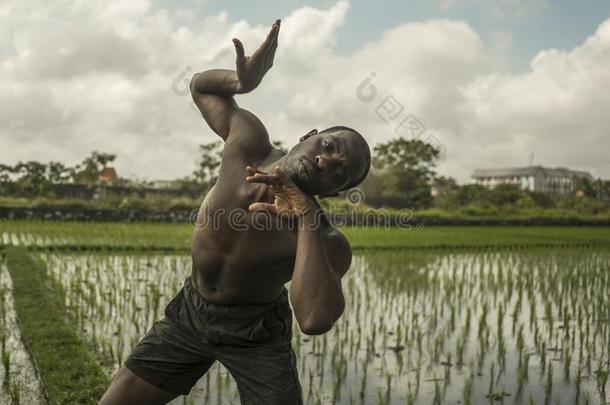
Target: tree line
[[403, 175]]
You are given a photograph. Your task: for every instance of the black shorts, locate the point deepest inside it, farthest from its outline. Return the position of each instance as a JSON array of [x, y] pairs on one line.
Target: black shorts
[[253, 341]]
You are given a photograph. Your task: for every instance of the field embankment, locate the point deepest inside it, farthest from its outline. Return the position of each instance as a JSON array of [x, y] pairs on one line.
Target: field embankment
[[69, 371]]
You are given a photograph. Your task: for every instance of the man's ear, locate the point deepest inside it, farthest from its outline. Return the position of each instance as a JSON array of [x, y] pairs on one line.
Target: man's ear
[[307, 135]]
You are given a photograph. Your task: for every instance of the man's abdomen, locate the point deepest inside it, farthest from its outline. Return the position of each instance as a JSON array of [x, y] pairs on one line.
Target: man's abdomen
[[238, 278]]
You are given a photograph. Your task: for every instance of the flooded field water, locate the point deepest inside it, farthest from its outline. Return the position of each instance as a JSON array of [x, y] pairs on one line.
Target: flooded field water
[[530, 326]]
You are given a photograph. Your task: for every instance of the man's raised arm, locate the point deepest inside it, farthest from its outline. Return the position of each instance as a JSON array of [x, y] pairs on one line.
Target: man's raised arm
[[213, 90], [220, 82]]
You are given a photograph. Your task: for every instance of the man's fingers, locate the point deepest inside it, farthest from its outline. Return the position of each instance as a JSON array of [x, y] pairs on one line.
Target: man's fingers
[[278, 179], [274, 39], [262, 207], [273, 33], [253, 170], [270, 56], [268, 42], [282, 176], [270, 179], [257, 178], [239, 49], [270, 51]]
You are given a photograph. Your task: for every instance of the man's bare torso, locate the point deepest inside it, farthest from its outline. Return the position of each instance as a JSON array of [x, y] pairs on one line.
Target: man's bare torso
[[241, 256]]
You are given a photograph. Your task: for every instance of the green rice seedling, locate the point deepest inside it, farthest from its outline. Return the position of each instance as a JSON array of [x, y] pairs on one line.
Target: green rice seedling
[[577, 385], [567, 362], [6, 363], [437, 394], [388, 390], [468, 391], [15, 393], [548, 388]]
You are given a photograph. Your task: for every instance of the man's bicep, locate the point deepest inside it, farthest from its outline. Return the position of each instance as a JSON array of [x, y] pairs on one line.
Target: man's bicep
[[217, 111], [341, 257]]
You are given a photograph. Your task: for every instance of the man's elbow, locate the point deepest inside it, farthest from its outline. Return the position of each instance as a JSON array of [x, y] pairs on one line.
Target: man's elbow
[[192, 84], [320, 324], [317, 327]]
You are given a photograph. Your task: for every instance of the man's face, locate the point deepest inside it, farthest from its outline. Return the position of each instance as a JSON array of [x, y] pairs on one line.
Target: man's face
[[324, 163]]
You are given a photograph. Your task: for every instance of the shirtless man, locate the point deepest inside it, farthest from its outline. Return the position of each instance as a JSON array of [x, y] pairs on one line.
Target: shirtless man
[[259, 227]]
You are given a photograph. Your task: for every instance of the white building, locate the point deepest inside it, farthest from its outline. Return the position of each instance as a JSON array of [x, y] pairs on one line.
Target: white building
[[535, 178]]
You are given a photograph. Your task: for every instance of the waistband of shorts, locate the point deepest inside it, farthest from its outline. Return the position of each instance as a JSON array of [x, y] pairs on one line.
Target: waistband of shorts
[[282, 298]]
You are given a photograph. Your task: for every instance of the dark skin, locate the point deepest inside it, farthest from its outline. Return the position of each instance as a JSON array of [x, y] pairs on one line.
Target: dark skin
[[260, 226]]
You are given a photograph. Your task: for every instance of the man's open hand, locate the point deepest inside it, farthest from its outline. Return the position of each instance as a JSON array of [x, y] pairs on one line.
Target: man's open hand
[[251, 69], [290, 200]]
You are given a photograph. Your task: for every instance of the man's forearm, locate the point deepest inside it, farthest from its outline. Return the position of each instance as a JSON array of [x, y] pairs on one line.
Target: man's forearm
[[315, 290], [222, 82]]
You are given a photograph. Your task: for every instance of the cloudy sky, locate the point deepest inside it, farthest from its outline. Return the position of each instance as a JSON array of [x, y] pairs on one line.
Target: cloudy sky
[[495, 83]]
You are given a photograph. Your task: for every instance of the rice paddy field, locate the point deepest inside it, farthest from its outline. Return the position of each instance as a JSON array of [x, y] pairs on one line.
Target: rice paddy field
[[451, 315], [177, 236]]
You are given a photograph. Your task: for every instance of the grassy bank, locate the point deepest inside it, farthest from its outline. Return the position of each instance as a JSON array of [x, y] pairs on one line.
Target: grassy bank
[[167, 236], [69, 371], [477, 236]]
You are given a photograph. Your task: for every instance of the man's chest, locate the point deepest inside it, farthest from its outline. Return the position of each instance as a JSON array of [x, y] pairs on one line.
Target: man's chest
[[227, 226]]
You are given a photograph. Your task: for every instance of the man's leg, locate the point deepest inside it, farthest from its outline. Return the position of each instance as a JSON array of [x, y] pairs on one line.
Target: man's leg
[[167, 362], [264, 374], [127, 388], [265, 371]]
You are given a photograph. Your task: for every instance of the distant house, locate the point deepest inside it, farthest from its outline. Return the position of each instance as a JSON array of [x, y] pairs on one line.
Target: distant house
[[535, 178], [108, 174]]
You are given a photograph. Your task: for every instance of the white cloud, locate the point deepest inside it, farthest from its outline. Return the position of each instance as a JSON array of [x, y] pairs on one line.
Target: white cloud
[[110, 76], [558, 109]]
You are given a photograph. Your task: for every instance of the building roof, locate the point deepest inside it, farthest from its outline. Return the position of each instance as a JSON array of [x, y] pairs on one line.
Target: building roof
[[108, 173], [530, 171]]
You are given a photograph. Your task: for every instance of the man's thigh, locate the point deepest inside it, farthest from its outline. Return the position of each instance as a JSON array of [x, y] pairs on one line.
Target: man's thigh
[[265, 374], [128, 388], [170, 358], [173, 355], [265, 371]]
